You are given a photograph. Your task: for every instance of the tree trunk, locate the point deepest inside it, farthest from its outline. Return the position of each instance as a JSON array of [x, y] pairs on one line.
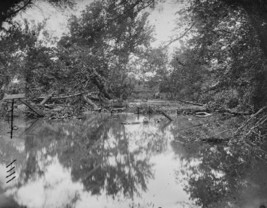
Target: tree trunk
[[100, 82]]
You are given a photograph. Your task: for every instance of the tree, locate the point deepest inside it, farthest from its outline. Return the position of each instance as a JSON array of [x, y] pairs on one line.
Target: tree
[[257, 14], [10, 8], [230, 49], [156, 63], [102, 40], [14, 46], [187, 75]]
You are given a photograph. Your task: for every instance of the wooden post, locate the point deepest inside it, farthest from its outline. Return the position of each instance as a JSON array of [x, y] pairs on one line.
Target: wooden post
[[12, 115]]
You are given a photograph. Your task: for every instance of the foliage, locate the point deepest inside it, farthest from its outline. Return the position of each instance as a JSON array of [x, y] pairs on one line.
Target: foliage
[[222, 62], [96, 54], [9, 9], [187, 75], [14, 46], [102, 40]]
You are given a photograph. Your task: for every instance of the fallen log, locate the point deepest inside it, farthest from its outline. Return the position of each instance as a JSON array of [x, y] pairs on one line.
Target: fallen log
[[73, 95], [190, 102], [190, 111], [233, 112], [168, 117], [90, 102], [47, 98], [117, 109], [38, 112]]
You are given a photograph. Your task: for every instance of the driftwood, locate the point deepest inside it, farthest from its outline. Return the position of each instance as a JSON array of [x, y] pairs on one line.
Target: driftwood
[[38, 112], [73, 95], [251, 117], [90, 102], [192, 110], [206, 110], [151, 110], [168, 117], [190, 102], [233, 112], [46, 98], [117, 109], [66, 96], [87, 97]]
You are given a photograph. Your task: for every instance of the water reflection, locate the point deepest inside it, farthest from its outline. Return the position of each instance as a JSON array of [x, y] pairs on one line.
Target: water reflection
[[224, 174], [119, 161]]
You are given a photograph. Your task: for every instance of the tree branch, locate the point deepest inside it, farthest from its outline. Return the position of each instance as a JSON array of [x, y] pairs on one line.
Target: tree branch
[[19, 9], [178, 38]]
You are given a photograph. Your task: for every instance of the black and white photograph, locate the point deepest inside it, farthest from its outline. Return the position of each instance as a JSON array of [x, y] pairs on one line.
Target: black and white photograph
[[133, 104]]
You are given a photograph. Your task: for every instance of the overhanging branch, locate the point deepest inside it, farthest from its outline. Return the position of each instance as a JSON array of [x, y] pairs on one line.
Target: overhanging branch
[[180, 37], [19, 9]]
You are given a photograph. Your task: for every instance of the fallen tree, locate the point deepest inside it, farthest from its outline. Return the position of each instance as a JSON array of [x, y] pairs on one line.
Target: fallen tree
[[90, 102]]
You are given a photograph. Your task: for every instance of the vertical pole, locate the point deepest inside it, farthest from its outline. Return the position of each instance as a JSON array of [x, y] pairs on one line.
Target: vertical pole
[[12, 115]]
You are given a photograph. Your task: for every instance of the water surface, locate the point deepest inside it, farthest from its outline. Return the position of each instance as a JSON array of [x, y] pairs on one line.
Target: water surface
[[119, 161]]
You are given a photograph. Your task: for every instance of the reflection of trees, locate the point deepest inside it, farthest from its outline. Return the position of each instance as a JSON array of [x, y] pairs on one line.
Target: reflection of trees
[[99, 152], [215, 173], [109, 165], [113, 159], [90, 158], [218, 176]]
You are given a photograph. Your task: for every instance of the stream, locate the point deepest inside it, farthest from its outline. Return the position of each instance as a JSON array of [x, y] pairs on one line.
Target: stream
[[117, 161]]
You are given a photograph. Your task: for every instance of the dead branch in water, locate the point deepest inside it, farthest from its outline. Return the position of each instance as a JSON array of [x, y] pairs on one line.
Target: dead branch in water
[[73, 95], [90, 102], [47, 98], [233, 112], [251, 117], [168, 117], [190, 102]]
